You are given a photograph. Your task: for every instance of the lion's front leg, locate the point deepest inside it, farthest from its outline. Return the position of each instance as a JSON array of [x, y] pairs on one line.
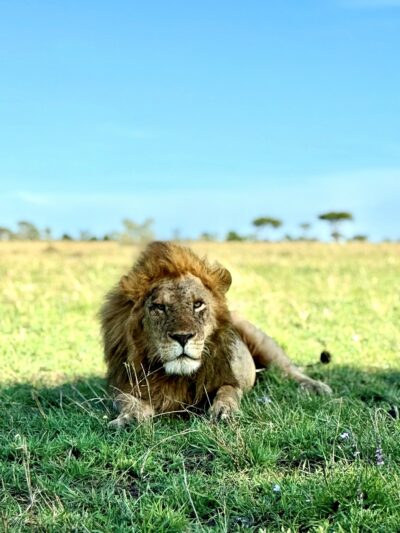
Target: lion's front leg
[[131, 408], [226, 402]]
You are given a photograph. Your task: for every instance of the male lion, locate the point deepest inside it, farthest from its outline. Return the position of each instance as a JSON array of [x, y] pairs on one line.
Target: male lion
[[170, 341]]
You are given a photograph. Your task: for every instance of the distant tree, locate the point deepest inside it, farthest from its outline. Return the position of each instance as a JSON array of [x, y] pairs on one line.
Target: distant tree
[[134, 232], [209, 237], [234, 236], [262, 222], [6, 234], [359, 238], [111, 236], [335, 218], [66, 237], [305, 226], [27, 231]]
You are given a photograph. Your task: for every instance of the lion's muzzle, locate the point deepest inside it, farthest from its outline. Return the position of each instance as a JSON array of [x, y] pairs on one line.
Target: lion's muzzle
[[184, 355]]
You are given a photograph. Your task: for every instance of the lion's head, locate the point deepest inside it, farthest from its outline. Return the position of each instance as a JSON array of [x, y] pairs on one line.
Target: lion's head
[[178, 318], [177, 301]]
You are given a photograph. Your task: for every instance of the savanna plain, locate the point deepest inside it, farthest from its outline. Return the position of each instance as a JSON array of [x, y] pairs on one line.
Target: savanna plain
[[289, 462]]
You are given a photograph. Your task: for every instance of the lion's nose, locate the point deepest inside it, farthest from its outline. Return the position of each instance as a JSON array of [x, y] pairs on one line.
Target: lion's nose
[[182, 338]]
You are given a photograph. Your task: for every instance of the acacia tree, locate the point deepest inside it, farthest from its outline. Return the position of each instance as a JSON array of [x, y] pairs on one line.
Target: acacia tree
[[335, 218], [262, 222]]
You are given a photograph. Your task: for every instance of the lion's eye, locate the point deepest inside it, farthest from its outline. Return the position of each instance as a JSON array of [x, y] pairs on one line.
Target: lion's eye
[[159, 307], [198, 305]]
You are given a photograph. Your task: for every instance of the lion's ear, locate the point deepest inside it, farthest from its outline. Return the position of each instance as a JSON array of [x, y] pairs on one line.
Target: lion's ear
[[127, 287], [224, 278]]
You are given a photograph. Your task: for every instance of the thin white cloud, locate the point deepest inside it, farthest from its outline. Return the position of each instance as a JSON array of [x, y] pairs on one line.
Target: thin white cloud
[[38, 199], [64, 199]]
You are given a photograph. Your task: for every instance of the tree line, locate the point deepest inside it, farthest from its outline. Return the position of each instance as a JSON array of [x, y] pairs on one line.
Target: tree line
[[130, 232], [262, 224], [134, 232]]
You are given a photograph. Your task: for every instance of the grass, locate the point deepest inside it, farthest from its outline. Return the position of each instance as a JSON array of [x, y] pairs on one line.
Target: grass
[[290, 462]]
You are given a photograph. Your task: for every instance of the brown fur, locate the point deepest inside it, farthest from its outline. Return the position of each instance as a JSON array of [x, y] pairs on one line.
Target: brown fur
[[142, 386]]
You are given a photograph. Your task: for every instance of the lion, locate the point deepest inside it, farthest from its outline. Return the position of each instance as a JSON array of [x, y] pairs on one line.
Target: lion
[[171, 343]]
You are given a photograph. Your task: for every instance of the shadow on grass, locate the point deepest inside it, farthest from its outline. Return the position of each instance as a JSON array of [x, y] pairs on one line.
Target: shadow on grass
[[90, 396], [373, 387], [82, 396]]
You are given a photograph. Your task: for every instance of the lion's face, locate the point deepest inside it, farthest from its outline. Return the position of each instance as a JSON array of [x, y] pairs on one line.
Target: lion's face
[[178, 319]]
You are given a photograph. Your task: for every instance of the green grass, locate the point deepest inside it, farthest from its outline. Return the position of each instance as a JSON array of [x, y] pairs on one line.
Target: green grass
[[295, 463]]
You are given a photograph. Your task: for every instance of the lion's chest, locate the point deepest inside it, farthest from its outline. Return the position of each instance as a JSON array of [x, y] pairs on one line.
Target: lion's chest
[[170, 393]]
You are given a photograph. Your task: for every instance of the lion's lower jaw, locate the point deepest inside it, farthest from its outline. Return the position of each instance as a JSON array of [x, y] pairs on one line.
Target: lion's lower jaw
[[182, 366]]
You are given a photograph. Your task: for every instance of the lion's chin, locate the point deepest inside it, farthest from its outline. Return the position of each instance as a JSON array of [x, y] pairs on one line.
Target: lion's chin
[[182, 366]]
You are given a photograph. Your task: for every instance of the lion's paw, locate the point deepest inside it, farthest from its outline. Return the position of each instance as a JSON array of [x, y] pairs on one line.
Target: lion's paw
[[316, 386], [222, 411], [118, 423]]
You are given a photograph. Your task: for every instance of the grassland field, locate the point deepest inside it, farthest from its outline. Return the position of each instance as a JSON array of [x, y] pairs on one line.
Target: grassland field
[[289, 462]]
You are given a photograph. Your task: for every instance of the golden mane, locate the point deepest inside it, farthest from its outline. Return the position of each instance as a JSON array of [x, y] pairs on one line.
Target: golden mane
[[163, 260]]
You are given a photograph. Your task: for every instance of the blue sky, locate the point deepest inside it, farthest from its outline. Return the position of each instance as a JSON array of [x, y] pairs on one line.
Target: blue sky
[[202, 115]]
